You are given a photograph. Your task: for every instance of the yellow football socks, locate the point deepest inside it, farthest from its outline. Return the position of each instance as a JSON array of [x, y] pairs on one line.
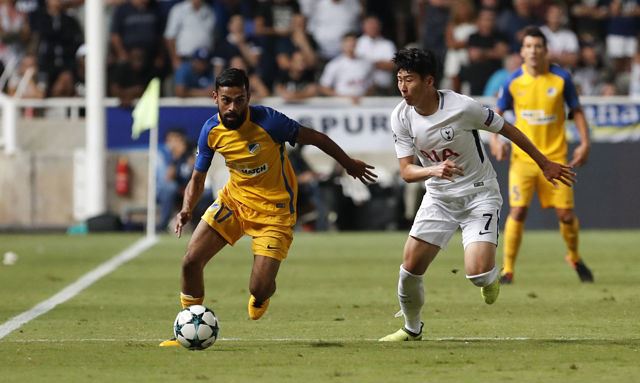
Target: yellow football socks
[[569, 232], [188, 300], [512, 238]]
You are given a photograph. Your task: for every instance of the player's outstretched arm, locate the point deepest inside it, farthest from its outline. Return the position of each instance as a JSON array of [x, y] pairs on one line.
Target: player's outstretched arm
[[552, 170], [355, 168], [192, 194]]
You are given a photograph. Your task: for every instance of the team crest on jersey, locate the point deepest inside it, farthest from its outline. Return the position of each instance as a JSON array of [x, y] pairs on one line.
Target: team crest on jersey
[[254, 148], [447, 133], [551, 92]]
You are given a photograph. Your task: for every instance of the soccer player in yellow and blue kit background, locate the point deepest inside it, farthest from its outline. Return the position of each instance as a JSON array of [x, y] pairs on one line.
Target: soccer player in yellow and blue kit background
[[537, 93], [260, 197]]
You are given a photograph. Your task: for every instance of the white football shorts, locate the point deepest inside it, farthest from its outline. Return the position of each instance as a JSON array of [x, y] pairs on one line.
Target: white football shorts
[[478, 215]]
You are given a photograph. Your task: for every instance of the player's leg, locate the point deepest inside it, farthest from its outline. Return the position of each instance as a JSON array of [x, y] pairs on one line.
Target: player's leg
[[569, 228], [480, 238], [270, 247], [204, 244], [561, 198], [479, 265], [262, 284], [521, 187], [417, 256], [432, 229]]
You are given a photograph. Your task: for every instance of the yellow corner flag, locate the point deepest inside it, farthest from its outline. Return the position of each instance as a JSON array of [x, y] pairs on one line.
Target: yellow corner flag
[[145, 114]]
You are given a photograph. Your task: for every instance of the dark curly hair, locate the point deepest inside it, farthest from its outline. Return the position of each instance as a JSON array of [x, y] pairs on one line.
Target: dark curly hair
[[233, 77], [422, 62]]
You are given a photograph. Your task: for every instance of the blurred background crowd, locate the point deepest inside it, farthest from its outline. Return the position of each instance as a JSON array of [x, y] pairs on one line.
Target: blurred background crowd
[[297, 49]]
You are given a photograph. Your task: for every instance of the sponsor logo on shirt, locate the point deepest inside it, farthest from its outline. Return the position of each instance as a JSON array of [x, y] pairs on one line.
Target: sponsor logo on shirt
[[537, 117], [254, 171]]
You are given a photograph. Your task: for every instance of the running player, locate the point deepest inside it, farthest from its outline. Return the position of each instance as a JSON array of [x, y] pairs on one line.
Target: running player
[[260, 198], [537, 92], [441, 128]]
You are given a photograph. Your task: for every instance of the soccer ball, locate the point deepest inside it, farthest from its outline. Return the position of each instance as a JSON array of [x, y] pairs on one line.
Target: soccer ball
[[196, 327]]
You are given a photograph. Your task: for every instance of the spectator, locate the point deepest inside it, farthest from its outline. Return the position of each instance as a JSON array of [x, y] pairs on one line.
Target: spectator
[[498, 78], [175, 164], [433, 16], [138, 24], [487, 47], [347, 75], [194, 78], [512, 23], [622, 30], [236, 43], [298, 83], [225, 9], [22, 82], [257, 88], [461, 25], [589, 19], [379, 51], [329, 21], [588, 77], [191, 26], [57, 37], [299, 41], [562, 43], [273, 22], [130, 79], [14, 33]]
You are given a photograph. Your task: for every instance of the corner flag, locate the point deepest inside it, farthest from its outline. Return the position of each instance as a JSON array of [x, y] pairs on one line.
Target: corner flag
[[145, 114]]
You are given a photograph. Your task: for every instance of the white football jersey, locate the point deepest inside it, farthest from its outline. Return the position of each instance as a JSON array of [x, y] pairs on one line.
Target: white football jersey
[[449, 133]]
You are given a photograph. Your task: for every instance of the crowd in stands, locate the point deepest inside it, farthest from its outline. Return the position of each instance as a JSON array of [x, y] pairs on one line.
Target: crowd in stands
[[297, 49]]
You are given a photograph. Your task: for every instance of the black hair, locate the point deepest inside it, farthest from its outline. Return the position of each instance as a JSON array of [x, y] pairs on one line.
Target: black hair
[[233, 77], [176, 130], [422, 62], [350, 34], [534, 31]]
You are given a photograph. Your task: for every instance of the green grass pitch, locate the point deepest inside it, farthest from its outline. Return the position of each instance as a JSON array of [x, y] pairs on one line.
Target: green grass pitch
[[336, 295]]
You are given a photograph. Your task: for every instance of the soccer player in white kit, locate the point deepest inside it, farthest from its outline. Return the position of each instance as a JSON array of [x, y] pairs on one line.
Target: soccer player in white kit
[[440, 127]]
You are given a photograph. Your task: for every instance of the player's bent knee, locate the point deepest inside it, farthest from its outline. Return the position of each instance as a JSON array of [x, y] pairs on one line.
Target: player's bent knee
[[192, 261], [484, 279]]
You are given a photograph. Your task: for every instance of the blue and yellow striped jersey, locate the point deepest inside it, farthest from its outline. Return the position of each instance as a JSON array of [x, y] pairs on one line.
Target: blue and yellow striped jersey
[[539, 105], [261, 175]]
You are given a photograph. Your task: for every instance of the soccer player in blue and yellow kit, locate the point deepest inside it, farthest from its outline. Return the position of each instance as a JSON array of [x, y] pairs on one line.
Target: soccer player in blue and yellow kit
[[537, 93], [260, 198]]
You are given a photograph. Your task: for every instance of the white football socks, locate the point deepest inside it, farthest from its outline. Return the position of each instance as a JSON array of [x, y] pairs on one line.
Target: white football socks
[[484, 279], [411, 298]]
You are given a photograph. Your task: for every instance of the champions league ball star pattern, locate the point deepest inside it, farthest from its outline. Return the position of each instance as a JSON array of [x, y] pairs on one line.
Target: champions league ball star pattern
[[196, 327]]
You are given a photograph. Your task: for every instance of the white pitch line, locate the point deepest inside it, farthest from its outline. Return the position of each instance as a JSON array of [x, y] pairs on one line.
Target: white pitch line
[[76, 287], [345, 340]]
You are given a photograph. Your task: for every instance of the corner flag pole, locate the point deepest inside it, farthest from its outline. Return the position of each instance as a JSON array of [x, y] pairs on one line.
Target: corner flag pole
[[145, 116]]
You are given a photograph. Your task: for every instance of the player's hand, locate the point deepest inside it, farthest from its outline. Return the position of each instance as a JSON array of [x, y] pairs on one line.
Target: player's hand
[[580, 155], [447, 170], [499, 149], [181, 219], [554, 171], [362, 171]]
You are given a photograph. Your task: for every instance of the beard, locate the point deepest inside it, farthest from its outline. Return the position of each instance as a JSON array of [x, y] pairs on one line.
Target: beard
[[232, 120]]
